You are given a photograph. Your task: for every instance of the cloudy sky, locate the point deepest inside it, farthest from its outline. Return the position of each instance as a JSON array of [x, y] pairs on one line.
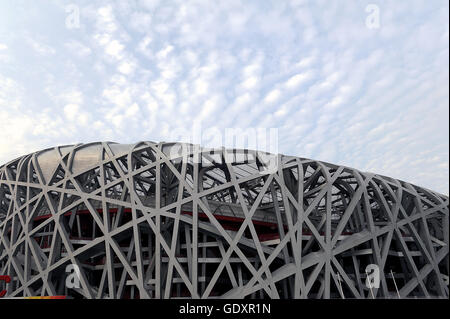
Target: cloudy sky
[[358, 83]]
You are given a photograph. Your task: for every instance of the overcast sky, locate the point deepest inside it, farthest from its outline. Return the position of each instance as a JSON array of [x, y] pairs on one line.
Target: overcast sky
[[357, 83]]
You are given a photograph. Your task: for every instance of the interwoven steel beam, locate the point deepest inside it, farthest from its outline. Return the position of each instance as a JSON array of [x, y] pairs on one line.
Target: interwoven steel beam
[[144, 221]]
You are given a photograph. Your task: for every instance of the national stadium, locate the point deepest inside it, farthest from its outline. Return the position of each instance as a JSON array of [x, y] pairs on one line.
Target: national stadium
[[172, 220]]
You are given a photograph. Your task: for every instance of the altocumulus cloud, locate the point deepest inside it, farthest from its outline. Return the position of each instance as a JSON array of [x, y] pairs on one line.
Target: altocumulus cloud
[[337, 90]]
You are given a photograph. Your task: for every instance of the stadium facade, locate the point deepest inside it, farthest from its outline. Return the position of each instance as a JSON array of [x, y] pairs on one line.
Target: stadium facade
[[169, 220]]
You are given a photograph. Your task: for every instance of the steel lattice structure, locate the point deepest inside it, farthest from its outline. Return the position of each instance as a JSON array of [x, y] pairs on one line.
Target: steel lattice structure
[[141, 222]]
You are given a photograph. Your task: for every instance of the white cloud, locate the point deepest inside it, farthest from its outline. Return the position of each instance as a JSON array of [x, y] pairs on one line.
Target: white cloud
[[250, 82], [132, 111], [371, 99], [141, 21], [40, 47], [127, 67], [201, 86], [164, 52], [298, 79], [106, 20], [143, 46], [78, 48], [115, 49], [75, 115], [209, 107], [10, 93], [272, 96], [306, 62], [71, 111]]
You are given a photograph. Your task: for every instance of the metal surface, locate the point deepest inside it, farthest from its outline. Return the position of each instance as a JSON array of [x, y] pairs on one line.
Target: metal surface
[[141, 223]]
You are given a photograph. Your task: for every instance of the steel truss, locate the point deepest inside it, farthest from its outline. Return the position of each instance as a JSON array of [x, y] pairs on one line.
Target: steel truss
[[140, 222]]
